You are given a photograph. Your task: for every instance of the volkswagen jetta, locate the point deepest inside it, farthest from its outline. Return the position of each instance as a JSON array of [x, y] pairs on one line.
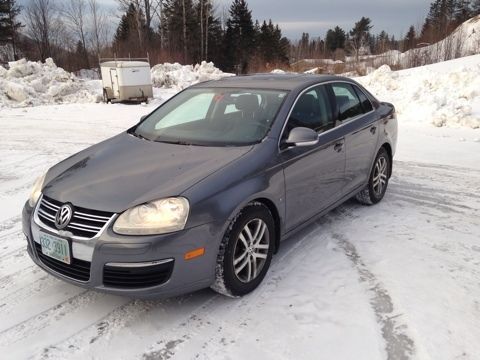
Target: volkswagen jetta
[[202, 190]]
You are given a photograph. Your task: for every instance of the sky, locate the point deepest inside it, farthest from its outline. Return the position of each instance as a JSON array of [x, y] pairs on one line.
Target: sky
[[317, 16]]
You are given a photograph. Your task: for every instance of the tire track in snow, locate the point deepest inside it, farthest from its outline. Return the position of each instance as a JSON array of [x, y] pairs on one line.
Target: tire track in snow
[[399, 345], [238, 312]]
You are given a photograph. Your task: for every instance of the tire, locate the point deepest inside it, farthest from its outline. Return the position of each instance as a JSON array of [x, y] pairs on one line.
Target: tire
[[238, 249], [106, 100], [378, 180]]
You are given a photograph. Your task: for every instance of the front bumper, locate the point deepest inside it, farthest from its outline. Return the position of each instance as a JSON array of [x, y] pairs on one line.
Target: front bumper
[[185, 275]]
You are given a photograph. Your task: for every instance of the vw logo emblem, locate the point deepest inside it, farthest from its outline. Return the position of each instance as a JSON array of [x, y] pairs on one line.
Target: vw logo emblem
[[63, 217]]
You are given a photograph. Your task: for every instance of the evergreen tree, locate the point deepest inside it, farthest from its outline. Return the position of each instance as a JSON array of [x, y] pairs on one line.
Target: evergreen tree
[[182, 29], [410, 39], [272, 47], [9, 24], [335, 39], [239, 37], [126, 40], [360, 35]]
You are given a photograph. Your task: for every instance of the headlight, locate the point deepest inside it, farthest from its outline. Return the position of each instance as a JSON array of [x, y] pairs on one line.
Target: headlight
[[36, 191], [156, 217]]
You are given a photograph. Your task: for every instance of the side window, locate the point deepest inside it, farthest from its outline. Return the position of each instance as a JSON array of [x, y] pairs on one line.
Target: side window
[[312, 110], [347, 100], [366, 104]]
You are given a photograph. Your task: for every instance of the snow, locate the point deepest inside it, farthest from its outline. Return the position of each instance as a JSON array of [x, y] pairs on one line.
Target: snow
[[178, 76], [443, 94], [397, 280], [28, 83]]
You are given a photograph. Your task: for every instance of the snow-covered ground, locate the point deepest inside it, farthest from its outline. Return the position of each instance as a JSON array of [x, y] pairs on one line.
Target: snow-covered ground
[[399, 280]]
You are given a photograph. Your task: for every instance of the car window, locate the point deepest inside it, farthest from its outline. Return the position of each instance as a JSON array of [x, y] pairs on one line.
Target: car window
[[312, 110], [213, 117], [193, 109], [348, 104], [366, 104]]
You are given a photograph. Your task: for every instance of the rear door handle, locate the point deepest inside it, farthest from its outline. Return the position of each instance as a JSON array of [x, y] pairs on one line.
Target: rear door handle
[[373, 129], [338, 146]]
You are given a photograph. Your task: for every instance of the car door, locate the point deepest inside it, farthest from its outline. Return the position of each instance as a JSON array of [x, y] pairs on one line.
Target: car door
[[314, 175], [356, 113]]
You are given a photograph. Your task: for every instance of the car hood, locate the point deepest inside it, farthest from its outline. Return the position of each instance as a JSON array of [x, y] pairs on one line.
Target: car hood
[[125, 171]]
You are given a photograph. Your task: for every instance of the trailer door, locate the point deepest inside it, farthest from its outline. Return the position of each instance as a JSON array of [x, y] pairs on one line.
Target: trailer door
[[114, 79]]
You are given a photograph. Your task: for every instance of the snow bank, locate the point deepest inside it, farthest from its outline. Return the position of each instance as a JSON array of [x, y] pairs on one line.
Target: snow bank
[[28, 83], [444, 94], [178, 76]]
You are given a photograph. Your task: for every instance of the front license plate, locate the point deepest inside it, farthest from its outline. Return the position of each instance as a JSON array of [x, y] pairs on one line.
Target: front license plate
[[55, 247]]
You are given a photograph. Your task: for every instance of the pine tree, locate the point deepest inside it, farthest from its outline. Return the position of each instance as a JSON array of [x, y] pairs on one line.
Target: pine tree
[[182, 29], [9, 24], [239, 37], [126, 40], [410, 39], [335, 39], [360, 35]]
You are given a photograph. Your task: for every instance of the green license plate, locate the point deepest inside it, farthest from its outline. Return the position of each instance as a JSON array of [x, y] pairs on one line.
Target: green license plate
[[55, 247]]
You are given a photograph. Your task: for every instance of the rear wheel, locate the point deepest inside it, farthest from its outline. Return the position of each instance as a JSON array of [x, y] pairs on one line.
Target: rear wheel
[[245, 251], [378, 181]]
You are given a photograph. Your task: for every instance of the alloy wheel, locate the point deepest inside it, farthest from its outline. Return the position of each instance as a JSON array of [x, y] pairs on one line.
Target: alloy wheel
[[380, 175], [251, 249]]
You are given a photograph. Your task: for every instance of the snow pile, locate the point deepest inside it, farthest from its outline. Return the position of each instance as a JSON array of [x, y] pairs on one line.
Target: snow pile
[[179, 76], [444, 94], [28, 83]]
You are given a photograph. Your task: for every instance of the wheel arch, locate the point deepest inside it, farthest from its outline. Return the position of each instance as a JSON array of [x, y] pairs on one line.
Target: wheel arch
[[270, 205]]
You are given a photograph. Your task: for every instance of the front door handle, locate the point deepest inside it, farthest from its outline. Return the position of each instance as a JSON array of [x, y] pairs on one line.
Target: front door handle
[[373, 130], [338, 146]]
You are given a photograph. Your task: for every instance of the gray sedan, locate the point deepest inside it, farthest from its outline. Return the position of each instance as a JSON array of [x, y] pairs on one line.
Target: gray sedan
[[201, 192]]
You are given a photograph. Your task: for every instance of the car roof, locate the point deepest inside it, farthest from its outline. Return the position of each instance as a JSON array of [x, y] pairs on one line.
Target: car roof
[[287, 81]]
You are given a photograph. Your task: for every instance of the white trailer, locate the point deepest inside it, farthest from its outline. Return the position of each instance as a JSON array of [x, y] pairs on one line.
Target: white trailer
[[126, 80]]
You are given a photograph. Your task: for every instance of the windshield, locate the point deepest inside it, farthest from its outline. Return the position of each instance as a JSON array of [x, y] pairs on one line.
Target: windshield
[[213, 116]]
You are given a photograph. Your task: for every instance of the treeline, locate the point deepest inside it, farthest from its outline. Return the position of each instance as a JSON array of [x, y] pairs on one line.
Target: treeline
[[75, 33], [190, 31], [443, 17], [338, 43]]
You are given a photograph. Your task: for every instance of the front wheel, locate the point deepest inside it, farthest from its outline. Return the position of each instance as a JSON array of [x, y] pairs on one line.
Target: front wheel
[[378, 180], [245, 251]]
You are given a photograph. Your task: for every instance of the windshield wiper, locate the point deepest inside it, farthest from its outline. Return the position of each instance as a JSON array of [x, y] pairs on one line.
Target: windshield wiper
[[140, 136], [176, 142]]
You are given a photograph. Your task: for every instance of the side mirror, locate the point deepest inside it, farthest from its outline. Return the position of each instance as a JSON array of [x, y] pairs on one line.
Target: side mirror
[[143, 117], [302, 136]]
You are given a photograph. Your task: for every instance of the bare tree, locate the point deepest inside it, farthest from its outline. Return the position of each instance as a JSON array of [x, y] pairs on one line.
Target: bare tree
[[99, 28], [40, 21], [184, 17], [74, 13]]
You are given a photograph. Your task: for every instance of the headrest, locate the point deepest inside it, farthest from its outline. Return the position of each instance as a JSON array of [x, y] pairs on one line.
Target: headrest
[[247, 102], [306, 104]]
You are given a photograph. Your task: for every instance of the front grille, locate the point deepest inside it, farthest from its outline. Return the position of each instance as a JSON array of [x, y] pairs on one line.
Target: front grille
[[77, 270], [85, 223], [137, 277]]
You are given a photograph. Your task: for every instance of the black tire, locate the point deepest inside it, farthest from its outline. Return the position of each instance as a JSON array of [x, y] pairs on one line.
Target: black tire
[[227, 282], [372, 194], [106, 100]]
